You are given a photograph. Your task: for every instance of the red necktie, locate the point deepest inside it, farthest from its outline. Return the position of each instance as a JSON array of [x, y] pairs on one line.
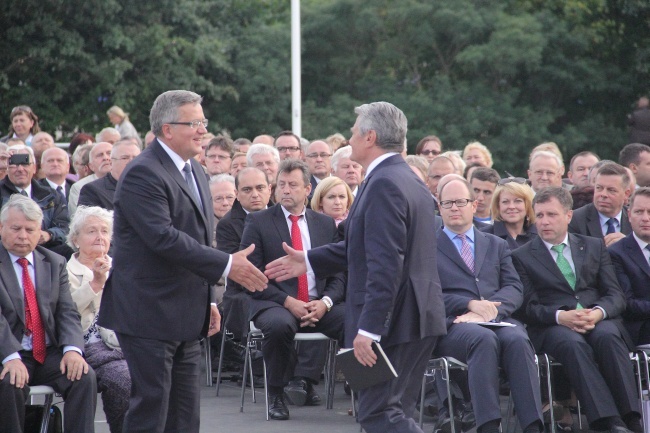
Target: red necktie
[[296, 240], [32, 315]]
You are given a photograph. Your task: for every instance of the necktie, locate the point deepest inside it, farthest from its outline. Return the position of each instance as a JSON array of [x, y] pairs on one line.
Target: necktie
[[187, 171], [296, 241], [59, 191], [33, 322], [565, 268], [23, 192], [611, 226], [466, 252]]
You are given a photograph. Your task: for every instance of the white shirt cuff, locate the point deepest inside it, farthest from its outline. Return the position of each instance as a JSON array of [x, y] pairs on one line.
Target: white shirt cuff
[[69, 348], [603, 310], [557, 316], [228, 266], [370, 335], [14, 355]]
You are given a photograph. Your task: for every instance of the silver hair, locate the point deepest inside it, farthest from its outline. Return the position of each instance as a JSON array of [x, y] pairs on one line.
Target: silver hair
[[24, 205], [546, 154], [165, 108], [388, 122], [100, 135], [223, 177], [261, 149], [124, 142], [53, 149], [20, 147], [80, 218], [81, 149], [91, 154], [343, 152]]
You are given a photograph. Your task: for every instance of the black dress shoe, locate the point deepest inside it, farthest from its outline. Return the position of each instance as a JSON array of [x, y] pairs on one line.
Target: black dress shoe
[[312, 399], [443, 423], [296, 391], [277, 407], [635, 424], [619, 429], [465, 413]]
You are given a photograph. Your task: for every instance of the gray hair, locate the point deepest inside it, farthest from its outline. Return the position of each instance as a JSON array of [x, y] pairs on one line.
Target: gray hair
[[132, 138], [546, 154], [100, 135], [289, 165], [80, 218], [262, 149], [24, 205], [388, 122], [165, 108], [223, 177], [85, 149], [124, 142], [343, 152], [18, 148]]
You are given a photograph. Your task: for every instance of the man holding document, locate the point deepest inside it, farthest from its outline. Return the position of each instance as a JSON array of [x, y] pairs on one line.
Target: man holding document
[[393, 291], [480, 285]]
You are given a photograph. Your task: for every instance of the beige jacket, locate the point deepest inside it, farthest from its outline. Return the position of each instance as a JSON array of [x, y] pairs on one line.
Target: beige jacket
[[82, 294]]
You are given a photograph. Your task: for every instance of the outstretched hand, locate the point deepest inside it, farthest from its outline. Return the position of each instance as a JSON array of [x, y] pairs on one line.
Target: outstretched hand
[[245, 273], [290, 266]]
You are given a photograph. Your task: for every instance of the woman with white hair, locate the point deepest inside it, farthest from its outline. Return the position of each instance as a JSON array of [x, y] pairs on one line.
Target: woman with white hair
[[90, 236], [120, 120]]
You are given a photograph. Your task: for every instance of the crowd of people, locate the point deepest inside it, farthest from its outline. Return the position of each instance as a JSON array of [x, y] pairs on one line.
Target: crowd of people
[[485, 267]]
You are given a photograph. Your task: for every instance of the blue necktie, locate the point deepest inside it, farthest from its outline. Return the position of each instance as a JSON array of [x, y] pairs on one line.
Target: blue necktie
[[187, 171], [611, 226]]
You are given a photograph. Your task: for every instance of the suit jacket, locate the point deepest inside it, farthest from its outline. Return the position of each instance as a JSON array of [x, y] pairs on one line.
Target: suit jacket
[[267, 229], [633, 274], [499, 229], [164, 263], [58, 312], [586, 222], [390, 255], [314, 184], [68, 185], [229, 232], [546, 290], [55, 212], [99, 192], [495, 278]]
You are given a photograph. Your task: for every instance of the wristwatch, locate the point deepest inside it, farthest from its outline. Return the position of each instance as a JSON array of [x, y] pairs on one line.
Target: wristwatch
[[328, 302]]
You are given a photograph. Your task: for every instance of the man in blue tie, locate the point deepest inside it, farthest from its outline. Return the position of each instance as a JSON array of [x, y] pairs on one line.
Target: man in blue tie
[[573, 305]]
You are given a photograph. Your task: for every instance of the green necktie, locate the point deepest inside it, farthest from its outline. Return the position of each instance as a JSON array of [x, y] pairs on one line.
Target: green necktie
[[565, 268]]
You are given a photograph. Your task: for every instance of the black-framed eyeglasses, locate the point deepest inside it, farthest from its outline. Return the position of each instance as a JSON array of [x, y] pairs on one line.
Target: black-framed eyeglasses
[[461, 202], [323, 155], [519, 180], [288, 149], [430, 152], [193, 124]]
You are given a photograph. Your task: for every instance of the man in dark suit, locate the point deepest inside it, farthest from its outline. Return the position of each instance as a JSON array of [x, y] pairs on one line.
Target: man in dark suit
[[101, 192], [480, 284], [160, 302], [630, 257], [605, 218], [319, 160], [20, 180], [55, 165], [40, 328], [253, 193], [573, 304], [389, 251], [305, 304]]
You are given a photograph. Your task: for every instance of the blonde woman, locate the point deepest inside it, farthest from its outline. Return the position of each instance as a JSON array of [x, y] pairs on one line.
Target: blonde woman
[[333, 197], [120, 120], [476, 152]]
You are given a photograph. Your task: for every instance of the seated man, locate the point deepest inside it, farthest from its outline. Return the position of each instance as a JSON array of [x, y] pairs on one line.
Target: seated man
[[573, 304], [480, 284], [304, 304], [40, 329], [20, 180], [55, 165], [630, 257]]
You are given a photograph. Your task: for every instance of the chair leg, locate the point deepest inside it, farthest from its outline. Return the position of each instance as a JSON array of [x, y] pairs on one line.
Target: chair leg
[[549, 389], [47, 406], [208, 362], [330, 373], [422, 390], [266, 389], [450, 400], [243, 379], [250, 370], [220, 369]]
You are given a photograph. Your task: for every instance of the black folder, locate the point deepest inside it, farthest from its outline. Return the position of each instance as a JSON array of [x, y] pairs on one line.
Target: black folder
[[361, 377]]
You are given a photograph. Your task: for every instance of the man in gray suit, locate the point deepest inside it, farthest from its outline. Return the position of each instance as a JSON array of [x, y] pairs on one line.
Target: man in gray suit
[[40, 328], [480, 284]]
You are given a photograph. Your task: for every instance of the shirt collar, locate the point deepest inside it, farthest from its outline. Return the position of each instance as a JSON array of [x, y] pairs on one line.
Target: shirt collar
[[565, 242], [469, 234], [176, 159], [641, 242], [604, 219], [378, 161], [54, 186], [287, 213], [29, 257]]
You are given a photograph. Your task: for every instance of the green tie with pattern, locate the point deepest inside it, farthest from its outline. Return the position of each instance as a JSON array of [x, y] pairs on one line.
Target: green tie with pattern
[[565, 268]]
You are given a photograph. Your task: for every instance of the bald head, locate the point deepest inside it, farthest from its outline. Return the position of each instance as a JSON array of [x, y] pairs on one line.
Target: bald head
[[55, 164], [438, 168]]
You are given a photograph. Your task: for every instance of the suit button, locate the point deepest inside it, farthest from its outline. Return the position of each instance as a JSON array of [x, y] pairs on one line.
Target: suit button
[[482, 298], [577, 297], [477, 280]]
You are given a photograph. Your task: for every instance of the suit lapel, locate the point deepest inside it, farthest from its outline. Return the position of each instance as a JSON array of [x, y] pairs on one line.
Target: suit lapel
[[544, 257], [316, 231], [578, 256], [593, 222], [636, 254], [281, 225], [11, 284], [481, 245], [43, 284], [447, 247], [626, 228]]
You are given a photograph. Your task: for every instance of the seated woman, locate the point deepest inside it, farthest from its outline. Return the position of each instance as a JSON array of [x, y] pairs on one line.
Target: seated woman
[[90, 236], [333, 197], [512, 209]]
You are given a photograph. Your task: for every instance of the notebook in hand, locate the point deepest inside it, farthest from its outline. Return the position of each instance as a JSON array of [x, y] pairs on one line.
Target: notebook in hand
[[361, 377]]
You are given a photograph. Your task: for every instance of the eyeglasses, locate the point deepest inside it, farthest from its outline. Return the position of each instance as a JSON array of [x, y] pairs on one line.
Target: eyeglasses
[[215, 156], [505, 180], [288, 149], [220, 199], [461, 202], [124, 158], [541, 173], [430, 152], [323, 155], [193, 124]]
